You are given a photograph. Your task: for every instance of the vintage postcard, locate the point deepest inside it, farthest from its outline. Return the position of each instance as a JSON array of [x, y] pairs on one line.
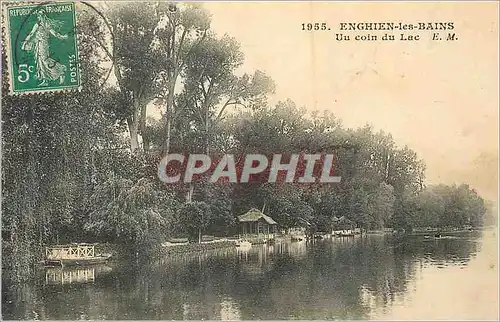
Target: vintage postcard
[[249, 160]]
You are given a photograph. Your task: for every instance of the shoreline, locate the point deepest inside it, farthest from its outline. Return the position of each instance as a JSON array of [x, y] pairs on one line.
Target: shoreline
[[194, 247]]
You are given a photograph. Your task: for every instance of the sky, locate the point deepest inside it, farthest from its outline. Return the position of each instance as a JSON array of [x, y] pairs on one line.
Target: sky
[[439, 98]]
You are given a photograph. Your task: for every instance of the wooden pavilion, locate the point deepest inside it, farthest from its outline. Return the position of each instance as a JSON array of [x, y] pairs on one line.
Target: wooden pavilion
[[254, 222], [342, 225]]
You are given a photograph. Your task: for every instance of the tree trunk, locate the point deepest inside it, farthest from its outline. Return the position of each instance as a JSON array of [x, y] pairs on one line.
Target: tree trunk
[[189, 196], [134, 137], [170, 110], [167, 138], [207, 149], [133, 127], [207, 131], [142, 128]]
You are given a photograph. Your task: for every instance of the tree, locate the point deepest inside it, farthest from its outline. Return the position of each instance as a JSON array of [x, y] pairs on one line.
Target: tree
[[382, 206], [51, 145], [136, 58], [210, 87], [193, 218], [183, 32]]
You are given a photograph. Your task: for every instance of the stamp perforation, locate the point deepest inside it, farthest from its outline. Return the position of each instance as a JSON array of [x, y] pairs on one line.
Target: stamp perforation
[[7, 51]]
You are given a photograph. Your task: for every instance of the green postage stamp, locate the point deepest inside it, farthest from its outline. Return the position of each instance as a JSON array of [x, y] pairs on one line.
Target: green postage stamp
[[42, 47]]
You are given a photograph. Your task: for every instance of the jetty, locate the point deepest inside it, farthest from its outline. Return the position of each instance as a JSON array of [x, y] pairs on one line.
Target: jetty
[[73, 254]]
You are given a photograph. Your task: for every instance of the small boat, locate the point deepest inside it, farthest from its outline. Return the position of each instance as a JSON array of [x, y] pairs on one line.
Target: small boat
[[73, 255], [345, 235], [77, 261], [243, 244], [297, 237]]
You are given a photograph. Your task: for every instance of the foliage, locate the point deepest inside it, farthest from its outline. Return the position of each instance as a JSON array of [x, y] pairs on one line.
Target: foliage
[[192, 218], [137, 215], [74, 169]]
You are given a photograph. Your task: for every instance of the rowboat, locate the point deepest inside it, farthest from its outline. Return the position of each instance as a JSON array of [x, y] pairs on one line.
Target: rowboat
[[77, 261], [243, 244], [345, 234]]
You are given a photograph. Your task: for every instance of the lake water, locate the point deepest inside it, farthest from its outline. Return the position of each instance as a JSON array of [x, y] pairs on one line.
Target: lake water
[[372, 277]]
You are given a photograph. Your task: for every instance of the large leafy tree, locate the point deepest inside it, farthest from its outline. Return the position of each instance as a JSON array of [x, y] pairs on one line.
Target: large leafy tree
[[183, 31], [126, 38], [137, 215], [53, 145]]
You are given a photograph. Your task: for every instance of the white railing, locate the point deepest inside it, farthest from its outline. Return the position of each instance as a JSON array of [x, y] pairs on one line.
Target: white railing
[[70, 252]]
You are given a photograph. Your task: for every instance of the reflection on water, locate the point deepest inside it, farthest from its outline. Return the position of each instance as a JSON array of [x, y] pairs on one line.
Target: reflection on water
[[229, 310], [343, 278], [71, 275], [68, 276]]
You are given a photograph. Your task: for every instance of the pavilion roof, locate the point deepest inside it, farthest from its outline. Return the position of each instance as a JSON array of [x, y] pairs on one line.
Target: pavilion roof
[[254, 215]]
